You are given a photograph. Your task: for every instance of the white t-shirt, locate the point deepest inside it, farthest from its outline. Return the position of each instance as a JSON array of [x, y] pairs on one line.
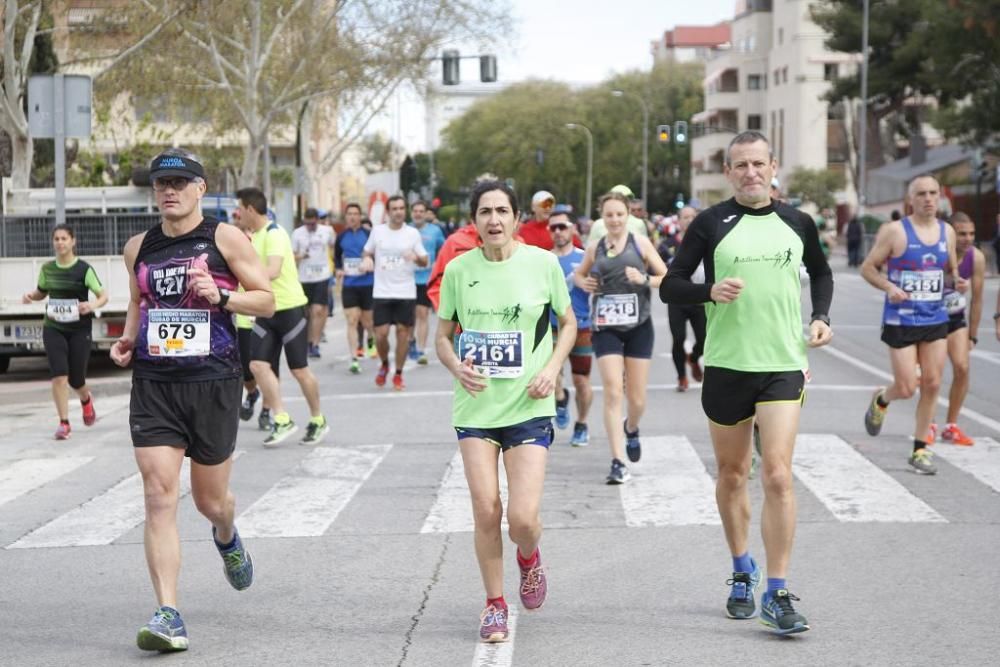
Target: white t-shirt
[[393, 273], [315, 267]]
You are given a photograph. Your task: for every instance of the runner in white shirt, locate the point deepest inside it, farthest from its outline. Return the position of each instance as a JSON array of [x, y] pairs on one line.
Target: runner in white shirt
[[311, 244], [393, 252]]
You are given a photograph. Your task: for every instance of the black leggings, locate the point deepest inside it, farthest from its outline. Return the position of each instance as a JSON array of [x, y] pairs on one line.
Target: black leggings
[[68, 353], [679, 317]]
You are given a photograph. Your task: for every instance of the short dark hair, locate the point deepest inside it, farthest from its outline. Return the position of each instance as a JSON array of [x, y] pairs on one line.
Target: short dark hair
[[311, 213], [64, 228], [961, 216], [351, 205], [420, 202], [569, 216], [393, 198], [253, 198], [895, 215], [748, 137], [482, 187]]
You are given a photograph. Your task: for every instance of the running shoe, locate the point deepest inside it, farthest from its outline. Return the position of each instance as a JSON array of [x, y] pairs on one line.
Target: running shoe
[[279, 432], [89, 415], [682, 384], [358, 353], [755, 453], [921, 461], [380, 376], [875, 414], [355, 366], [932, 432], [956, 436], [422, 359], [581, 435], [314, 352], [264, 420], [315, 432], [493, 624], [397, 382], [633, 449], [619, 473], [534, 586], [562, 411], [236, 561], [63, 431], [164, 632], [696, 372], [246, 410], [372, 350], [412, 353], [741, 601], [777, 613]]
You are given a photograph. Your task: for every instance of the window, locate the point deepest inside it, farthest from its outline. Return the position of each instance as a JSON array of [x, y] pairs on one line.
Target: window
[[830, 72], [777, 77], [753, 121], [753, 82], [784, 74]]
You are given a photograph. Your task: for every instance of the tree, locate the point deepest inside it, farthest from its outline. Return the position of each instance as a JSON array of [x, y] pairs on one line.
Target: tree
[[815, 185], [379, 153], [20, 25]]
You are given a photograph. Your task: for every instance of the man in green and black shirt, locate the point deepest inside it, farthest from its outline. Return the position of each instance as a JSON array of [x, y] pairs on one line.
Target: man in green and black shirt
[[755, 359]]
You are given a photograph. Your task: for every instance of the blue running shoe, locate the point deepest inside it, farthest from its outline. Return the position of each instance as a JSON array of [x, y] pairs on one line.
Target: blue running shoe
[[562, 411], [633, 449], [236, 562], [581, 435], [741, 596], [164, 632], [778, 614], [412, 354]]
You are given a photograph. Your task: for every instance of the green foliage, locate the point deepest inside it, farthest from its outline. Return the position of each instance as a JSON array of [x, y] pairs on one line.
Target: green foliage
[[379, 153], [815, 185]]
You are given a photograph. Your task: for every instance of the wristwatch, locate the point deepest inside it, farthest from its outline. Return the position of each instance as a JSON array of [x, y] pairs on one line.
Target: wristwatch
[[825, 319], [223, 297]]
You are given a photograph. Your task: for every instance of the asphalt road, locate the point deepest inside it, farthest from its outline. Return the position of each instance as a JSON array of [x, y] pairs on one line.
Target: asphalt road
[[363, 555]]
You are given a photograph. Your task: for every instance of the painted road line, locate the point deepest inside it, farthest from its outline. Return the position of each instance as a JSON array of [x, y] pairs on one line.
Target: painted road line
[[853, 488], [669, 486], [992, 357], [306, 502], [26, 475], [100, 520], [500, 654], [452, 509], [982, 460]]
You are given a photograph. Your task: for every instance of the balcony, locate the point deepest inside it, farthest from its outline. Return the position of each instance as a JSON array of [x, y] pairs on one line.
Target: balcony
[[709, 142]]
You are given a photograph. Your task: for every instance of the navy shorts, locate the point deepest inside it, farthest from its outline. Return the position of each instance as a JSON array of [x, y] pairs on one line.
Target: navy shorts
[[636, 343], [537, 431]]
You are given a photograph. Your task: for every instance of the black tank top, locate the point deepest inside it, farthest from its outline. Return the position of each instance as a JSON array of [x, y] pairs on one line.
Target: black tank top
[[613, 301], [182, 337]]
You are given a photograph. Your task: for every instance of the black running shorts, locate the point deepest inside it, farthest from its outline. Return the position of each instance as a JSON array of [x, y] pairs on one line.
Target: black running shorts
[[898, 337], [245, 339], [68, 353], [285, 329], [422, 298], [956, 323], [357, 297], [317, 293], [202, 417], [730, 397], [395, 311], [635, 343]]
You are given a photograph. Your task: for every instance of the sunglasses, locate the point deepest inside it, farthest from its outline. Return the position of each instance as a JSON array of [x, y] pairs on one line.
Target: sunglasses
[[176, 183], [558, 228]]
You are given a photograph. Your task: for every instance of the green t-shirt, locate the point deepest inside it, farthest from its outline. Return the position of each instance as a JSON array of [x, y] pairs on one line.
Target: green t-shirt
[[762, 330], [503, 309], [273, 241], [66, 285]]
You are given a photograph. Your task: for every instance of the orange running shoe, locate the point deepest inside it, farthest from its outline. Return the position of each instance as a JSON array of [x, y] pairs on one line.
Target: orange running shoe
[[397, 382], [956, 436], [932, 432], [380, 376]]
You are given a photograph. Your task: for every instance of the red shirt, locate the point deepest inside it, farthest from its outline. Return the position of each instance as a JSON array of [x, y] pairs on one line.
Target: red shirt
[[536, 233]]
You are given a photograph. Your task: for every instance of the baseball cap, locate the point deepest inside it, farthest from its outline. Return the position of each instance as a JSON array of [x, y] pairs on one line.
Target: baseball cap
[[169, 164], [562, 208], [623, 190], [541, 196]]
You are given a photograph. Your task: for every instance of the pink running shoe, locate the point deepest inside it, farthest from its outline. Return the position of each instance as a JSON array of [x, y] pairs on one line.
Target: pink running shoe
[[534, 586], [493, 625], [89, 416], [62, 433]]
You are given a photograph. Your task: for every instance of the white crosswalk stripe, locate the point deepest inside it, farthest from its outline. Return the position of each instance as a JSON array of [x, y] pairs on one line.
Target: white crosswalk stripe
[[499, 654], [452, 509], [982, 460], [669, 487], [306, 502], [23, 476]]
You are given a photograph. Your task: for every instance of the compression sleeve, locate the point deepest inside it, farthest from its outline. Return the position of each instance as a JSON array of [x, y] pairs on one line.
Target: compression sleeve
[[678, 288], [820, 275]]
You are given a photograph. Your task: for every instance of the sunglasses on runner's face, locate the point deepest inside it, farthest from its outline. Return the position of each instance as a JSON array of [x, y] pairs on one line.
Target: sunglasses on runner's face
[[177, 183], [558, 228]]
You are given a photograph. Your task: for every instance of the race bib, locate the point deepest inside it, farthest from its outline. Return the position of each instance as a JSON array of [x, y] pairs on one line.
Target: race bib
[[179, 333], [315, 272], [393, 262], [954, 302], [63, 310], [613, 310], [495, 354], [352, 266], [923, 285]]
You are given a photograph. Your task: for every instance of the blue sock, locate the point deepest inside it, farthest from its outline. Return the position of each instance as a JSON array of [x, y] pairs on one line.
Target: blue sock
[[743, 563], [775, 585]]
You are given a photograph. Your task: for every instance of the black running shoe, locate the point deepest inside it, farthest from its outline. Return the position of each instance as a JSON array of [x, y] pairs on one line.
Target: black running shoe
[[633, 449], [619, 473], [741, 596], [246, 410], [778, 614], [264, 420]]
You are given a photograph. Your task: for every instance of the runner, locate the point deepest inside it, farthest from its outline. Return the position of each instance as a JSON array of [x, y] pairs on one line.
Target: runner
[[286, 328], [918, 251], [393, 251], [355, 285], [679, 317], [179, 337], [599, 229], [962, 333], [311, 244], [432, 238], [755, 360], [562, 226], [619, 269], [501, 297], [67, 282], [535, 231]]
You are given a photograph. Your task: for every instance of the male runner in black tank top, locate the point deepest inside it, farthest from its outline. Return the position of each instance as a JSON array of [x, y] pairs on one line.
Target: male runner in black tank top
[[186, 380]]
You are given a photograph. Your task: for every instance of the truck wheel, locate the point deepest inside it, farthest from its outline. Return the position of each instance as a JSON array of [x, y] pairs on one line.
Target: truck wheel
[[4, 364]]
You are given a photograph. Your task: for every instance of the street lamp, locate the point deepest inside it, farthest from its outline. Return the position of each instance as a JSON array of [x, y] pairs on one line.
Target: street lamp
[[645, 139], [590, 164], [863, 157]]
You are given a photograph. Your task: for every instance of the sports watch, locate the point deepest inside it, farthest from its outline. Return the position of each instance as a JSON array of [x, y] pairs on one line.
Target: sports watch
[[223, 297]]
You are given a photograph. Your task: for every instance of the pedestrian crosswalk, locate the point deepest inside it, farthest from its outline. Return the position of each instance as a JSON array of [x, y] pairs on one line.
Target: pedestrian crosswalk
[[673, 485]]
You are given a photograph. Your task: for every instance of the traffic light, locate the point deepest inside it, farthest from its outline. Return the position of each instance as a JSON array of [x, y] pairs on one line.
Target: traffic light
[[449, 67], [487, 69], [681, 132], [663, 134]]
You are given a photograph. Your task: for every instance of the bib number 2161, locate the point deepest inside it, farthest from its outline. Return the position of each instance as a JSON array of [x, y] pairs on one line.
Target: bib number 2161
[[496, 354]]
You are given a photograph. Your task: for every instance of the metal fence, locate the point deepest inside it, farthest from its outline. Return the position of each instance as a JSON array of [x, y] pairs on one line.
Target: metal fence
[[96, 234]]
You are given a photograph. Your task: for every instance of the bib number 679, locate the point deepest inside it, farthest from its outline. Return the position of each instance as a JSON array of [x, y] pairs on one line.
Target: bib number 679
[[166, 331]]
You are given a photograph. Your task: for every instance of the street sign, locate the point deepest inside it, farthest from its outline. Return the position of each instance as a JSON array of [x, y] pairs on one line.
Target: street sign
[[42, 107]]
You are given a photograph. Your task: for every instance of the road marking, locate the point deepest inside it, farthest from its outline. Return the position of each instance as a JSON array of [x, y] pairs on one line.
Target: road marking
[[100, 520], [500, 654], [992, 357], [306, 502], [878, 372], [452, 509], [26, 475], [669, 486], [853, 488], [982, 460]]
